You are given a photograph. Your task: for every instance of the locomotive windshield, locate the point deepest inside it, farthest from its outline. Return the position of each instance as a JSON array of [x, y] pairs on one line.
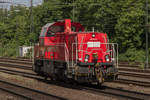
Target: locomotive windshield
[[54, 29]]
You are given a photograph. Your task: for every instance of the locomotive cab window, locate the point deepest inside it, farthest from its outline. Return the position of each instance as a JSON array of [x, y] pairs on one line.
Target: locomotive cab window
[[80, 30], [54, 29], [73, 28], [50, 33]]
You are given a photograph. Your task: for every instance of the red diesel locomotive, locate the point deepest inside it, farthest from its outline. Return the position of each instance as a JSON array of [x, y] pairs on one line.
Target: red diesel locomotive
[[66, 52]]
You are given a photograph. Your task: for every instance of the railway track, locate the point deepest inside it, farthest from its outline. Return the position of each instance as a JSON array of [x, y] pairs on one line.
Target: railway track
[[34, 76], [12, 65], [19, 72], [16, 59], [27, 65], [124, 68], [133, 74], [105, 90], [119, 93], [27, 93], [132, 82], [130, 69], [122, 71]]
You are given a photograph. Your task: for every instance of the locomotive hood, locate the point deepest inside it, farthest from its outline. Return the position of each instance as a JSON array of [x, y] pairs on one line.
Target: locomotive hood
[[90, 44]]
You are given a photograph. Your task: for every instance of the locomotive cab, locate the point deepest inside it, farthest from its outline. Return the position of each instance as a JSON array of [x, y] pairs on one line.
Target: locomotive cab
[[50, 30]]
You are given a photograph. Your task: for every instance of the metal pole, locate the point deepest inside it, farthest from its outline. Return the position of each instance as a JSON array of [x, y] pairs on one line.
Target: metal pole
[[146, 19], [73, 10], [31, 17]]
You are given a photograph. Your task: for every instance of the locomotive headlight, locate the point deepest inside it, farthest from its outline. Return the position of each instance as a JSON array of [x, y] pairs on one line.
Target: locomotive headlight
[[107, 58], [93, 35], [86, 58]]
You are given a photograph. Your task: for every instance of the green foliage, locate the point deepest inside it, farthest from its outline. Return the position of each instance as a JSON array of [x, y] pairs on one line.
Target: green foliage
[[142, 65], [123, 21], [129, 29], [13, 30], [10, 49], [133, 55]]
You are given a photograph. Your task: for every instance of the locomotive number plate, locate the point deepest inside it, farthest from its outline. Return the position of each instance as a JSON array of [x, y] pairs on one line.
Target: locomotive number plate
[[93, 44]]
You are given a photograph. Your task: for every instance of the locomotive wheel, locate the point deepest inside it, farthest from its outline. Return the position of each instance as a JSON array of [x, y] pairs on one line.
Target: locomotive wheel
[[45, 78], [99, 84], [116, 77]]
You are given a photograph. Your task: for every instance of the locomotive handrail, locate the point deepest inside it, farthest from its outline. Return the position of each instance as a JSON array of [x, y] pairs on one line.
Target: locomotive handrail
[[112, 51], [67, 60]]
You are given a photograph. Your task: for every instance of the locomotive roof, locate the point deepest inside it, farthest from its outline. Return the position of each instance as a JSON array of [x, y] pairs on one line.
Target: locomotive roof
[[59, 23], [48, 25]]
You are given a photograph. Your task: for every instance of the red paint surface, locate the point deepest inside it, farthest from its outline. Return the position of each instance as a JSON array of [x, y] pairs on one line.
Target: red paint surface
[[70, 44]]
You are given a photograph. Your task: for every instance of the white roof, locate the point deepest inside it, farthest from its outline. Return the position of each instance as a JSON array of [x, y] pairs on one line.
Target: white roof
[[48, 25]]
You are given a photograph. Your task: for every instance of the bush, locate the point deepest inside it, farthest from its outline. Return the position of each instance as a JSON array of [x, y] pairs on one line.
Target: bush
[[133, 55]]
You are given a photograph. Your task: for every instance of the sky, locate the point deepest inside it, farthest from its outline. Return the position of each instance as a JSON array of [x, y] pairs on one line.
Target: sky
[[22, 2], [27, 2]]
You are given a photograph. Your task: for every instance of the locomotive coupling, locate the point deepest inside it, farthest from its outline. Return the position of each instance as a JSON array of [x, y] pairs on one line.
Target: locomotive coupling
[[99, 73], [105, 72]]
